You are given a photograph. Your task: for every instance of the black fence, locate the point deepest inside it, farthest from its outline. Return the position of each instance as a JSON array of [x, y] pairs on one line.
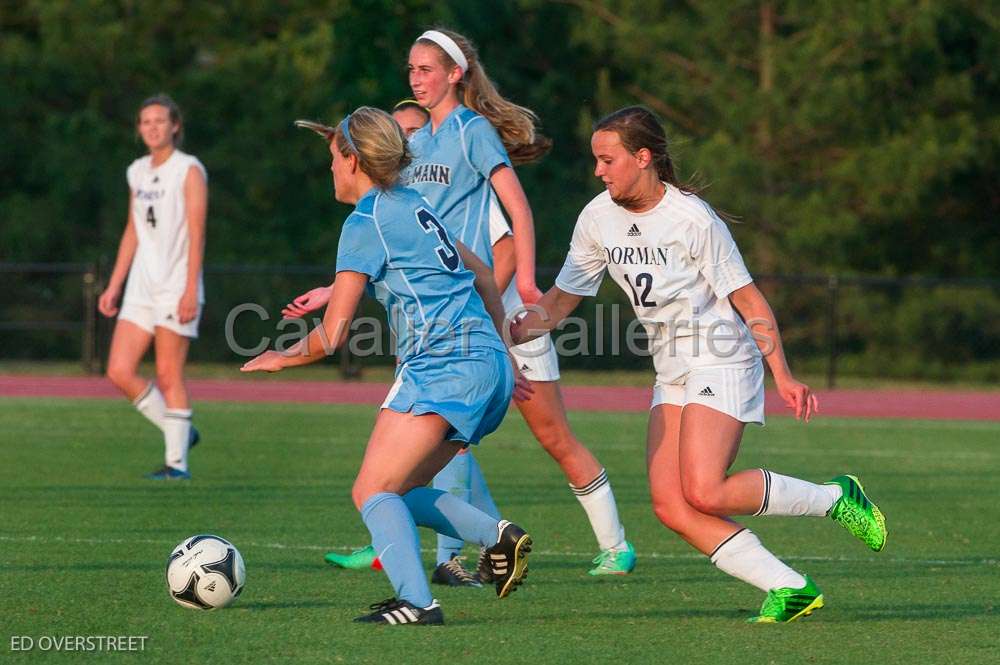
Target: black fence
[[905, 328]]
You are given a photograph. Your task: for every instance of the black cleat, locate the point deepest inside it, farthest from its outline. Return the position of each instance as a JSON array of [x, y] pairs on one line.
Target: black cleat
[[453, 573], [398, 612], [483, 567], [507, 561]]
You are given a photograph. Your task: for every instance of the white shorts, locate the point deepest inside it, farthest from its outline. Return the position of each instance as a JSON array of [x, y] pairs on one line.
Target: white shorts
[[737, 392], [537, 359], [149, 317]]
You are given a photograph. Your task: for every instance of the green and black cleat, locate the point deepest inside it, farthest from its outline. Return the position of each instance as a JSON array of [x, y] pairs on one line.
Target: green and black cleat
[[855, 512], [785, 605]]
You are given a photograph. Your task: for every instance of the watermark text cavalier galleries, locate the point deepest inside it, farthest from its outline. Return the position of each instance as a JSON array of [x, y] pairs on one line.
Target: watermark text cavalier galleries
[[609, 333], [78, 642]]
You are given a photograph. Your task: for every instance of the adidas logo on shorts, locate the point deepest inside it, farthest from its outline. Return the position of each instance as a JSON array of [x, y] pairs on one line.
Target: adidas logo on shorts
[[706, 392], [525, 368], [634, 232]]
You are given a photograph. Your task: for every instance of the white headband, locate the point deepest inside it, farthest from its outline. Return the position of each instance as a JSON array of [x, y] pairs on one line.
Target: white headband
[[449, 46]]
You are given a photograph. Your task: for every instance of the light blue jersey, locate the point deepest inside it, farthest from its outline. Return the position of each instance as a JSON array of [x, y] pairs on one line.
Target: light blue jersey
[[451, 359], [395, 238], [452, 168]]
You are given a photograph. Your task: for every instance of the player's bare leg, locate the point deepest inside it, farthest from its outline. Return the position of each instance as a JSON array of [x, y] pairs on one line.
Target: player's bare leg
[[732, 548], [709, 441], [129, 344], [702, 531], [171, 351], [545, 415]]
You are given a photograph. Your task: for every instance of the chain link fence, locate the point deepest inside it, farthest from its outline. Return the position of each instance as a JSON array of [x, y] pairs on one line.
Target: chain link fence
[[882, 327]]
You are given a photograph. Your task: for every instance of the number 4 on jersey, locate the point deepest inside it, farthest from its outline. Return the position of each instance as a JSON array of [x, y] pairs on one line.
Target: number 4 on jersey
[[151, 217]]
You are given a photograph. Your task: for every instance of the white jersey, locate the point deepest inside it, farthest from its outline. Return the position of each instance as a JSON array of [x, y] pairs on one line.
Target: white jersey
[[677, 263], [159, 269]]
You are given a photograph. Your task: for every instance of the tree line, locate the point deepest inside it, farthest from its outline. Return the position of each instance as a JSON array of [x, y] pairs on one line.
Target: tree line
[[847, 136]]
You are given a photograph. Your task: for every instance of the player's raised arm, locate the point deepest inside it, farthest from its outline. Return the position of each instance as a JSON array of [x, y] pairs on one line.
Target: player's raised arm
[[324, 339], [309, 301]]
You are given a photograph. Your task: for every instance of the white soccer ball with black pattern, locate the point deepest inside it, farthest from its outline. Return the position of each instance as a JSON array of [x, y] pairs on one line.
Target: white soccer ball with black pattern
[[205, 573]]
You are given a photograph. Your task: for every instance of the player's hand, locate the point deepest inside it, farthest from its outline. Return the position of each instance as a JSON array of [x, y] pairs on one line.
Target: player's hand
[[307, 302], [798, 396], [530, 293], [522, 387], [107, 302], [269, 361], [187, 307]]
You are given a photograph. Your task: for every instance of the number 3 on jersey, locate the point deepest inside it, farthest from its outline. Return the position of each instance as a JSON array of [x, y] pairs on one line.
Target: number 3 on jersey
[[644, 281], [446, 251], [151, 217]]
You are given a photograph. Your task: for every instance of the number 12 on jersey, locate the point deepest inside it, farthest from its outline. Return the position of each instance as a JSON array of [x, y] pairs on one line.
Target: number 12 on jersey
[[643, 281]]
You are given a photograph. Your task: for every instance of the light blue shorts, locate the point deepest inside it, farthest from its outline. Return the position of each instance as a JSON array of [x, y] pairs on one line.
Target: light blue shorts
[[471, 391]]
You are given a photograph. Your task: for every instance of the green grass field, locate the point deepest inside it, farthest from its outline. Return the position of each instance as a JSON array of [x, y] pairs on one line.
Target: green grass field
[[83, 541]]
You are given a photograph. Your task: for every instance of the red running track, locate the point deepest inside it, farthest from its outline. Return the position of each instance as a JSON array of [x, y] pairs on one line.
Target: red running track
[[931, 404]]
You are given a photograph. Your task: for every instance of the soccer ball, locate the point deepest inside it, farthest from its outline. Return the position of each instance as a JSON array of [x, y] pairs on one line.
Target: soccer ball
[[205, 573]]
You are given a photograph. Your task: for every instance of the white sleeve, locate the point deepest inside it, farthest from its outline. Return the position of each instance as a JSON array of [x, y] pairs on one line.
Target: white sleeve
[[130, 175], [498, 223], [196, 162], [583, 270], [715, 253]]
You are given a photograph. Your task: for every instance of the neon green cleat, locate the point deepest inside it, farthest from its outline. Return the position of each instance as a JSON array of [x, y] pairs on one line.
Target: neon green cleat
[[615, 562], [359, 559], [856, 513], [785, 605]]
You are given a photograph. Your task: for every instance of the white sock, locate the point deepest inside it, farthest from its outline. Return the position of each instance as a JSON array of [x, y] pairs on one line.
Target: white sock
[[177, 434], [788, 496], [742, 556], [598, 500], [150, 404]]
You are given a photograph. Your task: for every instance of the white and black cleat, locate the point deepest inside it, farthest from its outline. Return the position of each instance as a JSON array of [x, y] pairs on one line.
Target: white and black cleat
[[507, 561], [453, 573], [401, 612]]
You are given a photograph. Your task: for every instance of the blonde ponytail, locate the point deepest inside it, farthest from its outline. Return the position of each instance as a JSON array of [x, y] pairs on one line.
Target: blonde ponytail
[[375, 138]]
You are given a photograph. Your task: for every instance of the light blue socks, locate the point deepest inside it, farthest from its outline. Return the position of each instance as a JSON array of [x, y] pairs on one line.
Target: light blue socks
[[463, 479], [394, 537], [451, 516]]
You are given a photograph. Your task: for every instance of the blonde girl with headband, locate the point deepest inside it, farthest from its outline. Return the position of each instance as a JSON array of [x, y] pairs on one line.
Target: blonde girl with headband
[[454, 377], [161, 252], [471, 143], [458, 156]]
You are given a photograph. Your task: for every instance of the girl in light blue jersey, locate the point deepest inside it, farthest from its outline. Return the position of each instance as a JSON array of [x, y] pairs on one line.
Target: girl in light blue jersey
[[454, 378], [469, 147]]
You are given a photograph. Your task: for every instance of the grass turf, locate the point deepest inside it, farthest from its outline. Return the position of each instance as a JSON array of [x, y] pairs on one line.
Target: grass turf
[[83, 541]]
